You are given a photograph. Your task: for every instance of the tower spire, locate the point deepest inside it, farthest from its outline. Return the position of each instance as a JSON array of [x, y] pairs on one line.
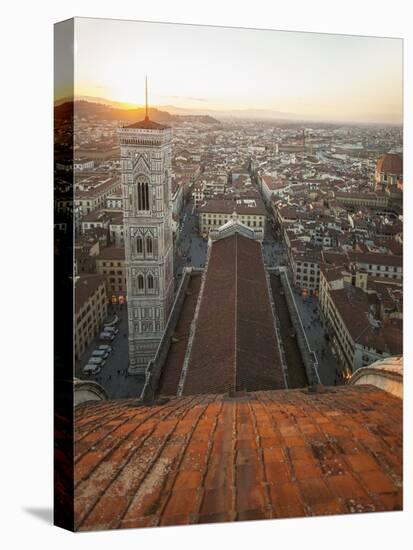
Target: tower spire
[[146, 98]]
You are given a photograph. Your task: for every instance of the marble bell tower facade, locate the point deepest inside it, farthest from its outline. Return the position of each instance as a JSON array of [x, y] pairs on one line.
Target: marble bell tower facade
[[146, 182]]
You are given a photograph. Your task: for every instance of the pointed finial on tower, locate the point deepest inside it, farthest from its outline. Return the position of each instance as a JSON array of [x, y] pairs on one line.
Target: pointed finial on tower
[[146, 98]]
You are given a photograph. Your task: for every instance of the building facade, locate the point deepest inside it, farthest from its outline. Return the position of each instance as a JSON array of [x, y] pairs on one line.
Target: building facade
[[305, 269], [359, 332], [111, 264], [91, 192], [217, 212], [372, 200], [90, 310], [146, 183]]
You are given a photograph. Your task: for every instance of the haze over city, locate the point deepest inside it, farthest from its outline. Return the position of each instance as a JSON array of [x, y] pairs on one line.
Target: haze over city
[[240, 72]]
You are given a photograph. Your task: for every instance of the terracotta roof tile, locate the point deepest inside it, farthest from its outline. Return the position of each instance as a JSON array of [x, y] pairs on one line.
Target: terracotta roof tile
[[212, 458], [242, 354]]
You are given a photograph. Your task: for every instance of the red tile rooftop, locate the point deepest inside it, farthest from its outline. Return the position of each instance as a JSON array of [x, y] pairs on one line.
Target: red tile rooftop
[[230, 205], [390, 163], [111, 253], [354, 307], [213, 458], [234, 344]]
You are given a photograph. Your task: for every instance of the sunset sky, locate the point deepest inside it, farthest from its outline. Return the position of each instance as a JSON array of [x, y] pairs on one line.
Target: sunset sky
[[314, 76]]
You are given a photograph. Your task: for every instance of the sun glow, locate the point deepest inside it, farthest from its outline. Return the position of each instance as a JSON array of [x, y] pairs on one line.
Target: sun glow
[[212, 68]]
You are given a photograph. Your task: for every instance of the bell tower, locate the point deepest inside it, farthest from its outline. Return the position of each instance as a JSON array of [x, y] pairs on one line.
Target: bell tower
[[145, 149]]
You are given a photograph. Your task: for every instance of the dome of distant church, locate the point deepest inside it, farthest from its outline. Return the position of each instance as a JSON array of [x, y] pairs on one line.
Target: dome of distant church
[[390, 163]]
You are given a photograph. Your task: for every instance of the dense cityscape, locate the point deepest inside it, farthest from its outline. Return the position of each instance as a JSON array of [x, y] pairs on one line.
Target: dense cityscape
[[324, 200], [238, 316]]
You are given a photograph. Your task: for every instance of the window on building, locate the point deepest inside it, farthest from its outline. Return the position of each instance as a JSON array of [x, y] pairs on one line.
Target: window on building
[[140, 282], [139, 245], [149, 246], [150, 281], [143, 195]]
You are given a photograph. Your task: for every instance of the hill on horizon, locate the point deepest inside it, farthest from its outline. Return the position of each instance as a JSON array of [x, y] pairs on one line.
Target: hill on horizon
[[103, 111]]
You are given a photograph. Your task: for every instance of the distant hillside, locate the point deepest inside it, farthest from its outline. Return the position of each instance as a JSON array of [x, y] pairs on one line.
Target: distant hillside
[[106, 112]]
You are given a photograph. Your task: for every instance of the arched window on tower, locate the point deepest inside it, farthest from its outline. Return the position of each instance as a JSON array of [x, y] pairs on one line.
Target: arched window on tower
[[150, 281], [143, 195], [139, 245], [140, 282], [149, 244]]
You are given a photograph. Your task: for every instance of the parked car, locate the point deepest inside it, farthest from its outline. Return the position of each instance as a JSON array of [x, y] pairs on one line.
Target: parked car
[[91, 369], [105, 347], [112, 323], [111, 330], [96, 361], [106, 336], [100, 353]]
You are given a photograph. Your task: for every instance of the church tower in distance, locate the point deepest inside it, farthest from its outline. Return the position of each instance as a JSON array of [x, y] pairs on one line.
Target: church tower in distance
[[145, 149]]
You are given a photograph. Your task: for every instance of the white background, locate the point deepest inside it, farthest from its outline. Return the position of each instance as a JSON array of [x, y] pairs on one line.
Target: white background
[[26, 272]]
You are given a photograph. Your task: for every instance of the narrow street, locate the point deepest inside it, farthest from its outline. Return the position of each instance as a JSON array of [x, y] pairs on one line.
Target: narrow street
[[114, 375], [275, 255], [190, 248], [311, 318]]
